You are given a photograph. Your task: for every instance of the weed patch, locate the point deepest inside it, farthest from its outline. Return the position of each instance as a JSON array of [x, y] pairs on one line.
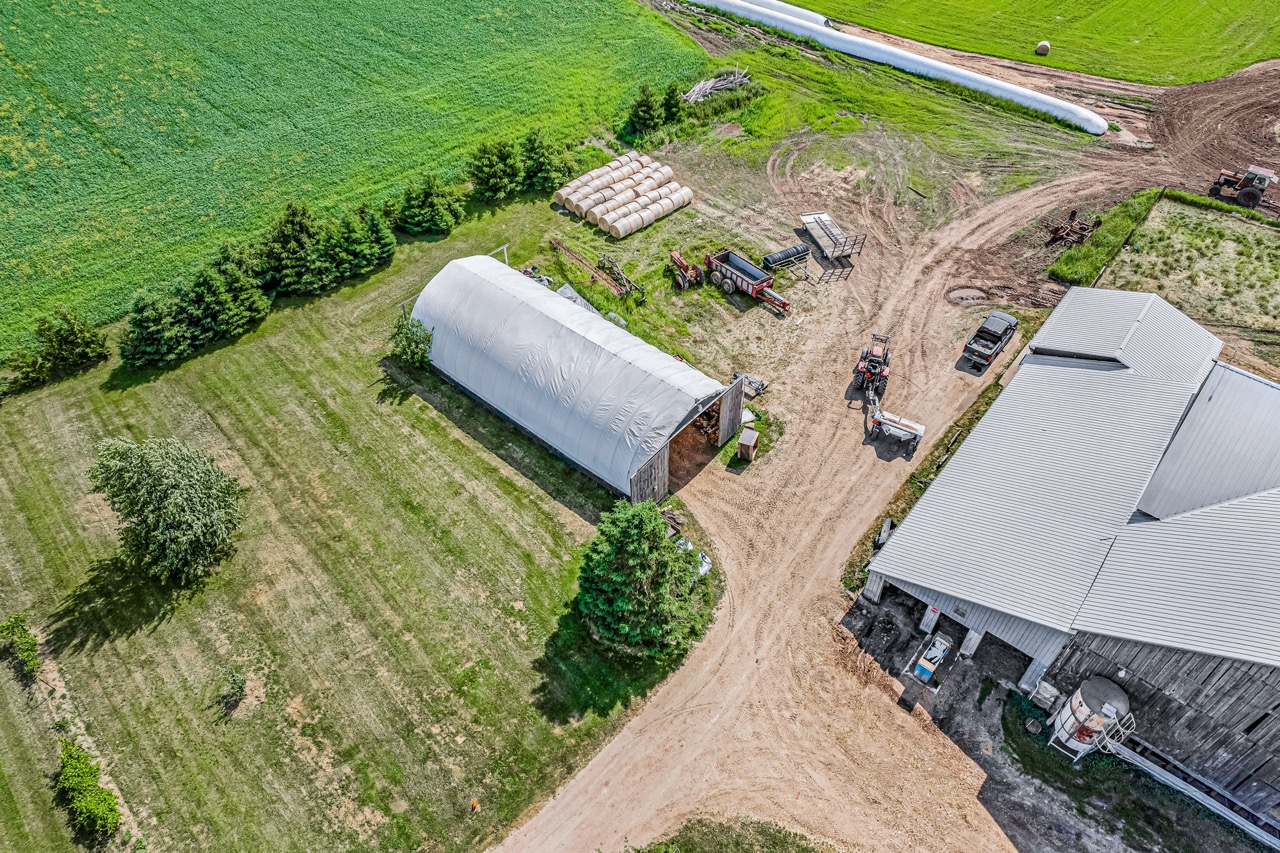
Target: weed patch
[[1219, 269]]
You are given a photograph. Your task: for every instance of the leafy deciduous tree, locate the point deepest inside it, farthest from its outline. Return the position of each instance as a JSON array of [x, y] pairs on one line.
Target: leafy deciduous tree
[[93, 808], [180, 511], [411, 343], [637, 587], [15, 630], [495, 170]]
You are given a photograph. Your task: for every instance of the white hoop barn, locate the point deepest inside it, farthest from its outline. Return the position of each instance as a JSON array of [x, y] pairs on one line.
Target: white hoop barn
[[594, 393]]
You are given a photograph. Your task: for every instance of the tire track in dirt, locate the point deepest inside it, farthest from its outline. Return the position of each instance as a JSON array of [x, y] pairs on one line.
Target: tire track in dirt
[[760, 710], [768, 716]]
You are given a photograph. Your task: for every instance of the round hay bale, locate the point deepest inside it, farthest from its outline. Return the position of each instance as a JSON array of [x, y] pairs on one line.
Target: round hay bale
[[1042, 49]]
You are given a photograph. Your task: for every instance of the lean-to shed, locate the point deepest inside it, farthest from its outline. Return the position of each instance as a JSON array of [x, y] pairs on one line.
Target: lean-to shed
[[594, 393]]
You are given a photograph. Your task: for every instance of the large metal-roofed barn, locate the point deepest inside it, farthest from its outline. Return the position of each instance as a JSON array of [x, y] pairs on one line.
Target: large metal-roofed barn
[[591, 391], [1117, 512]]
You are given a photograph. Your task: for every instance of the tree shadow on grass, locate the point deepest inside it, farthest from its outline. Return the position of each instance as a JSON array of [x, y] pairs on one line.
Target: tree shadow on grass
[[558, 478], [115, 601], [581, 674]]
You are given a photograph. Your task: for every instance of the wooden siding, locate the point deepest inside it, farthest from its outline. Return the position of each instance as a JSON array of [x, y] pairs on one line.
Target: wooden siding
[[730, 411], [1219, 717], [651, 481]]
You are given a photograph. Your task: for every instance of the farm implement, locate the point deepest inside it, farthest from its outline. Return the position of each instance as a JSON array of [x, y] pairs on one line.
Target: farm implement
[[872, 378], [607, 271], [1071, 231], [732, 272], [685, 273]]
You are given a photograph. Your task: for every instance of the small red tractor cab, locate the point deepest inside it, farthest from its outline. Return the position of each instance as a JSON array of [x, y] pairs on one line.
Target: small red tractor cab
[[686, 274], [1247, 188], [872, 374], [730, 271]]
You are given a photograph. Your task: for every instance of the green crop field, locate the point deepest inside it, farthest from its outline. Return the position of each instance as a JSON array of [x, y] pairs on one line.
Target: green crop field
[[135, 136], [1175, 41]]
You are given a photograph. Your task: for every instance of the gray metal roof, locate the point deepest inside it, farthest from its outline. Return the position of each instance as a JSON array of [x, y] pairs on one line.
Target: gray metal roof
[[1023, 515], [1141, 489], [1227, 447], [1139, 330], [1076, 441], [1207, 580]]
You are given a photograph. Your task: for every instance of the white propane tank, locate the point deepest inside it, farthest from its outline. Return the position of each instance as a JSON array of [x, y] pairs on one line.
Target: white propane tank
[[1099, 701]]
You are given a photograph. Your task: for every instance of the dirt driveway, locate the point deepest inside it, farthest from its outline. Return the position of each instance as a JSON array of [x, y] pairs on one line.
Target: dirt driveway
[[770, 716]]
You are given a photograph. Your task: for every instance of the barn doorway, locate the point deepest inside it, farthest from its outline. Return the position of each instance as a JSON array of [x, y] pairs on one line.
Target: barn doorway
[[694, 446]]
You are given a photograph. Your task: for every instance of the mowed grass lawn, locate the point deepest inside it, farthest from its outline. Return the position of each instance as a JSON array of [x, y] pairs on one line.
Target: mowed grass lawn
[[399, 590], [1173, 41], [133, 137]]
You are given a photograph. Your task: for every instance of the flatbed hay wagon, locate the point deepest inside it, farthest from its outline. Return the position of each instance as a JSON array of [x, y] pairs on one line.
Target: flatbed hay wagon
[[829, 237], [730, 271]]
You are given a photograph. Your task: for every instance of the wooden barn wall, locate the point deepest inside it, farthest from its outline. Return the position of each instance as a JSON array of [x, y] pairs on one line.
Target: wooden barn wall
[[731, 411], [1219, 717], [650, 481]]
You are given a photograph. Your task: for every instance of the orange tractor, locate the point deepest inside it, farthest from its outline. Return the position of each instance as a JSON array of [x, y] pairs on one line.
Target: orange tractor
[[1247, 188], [685, 273]]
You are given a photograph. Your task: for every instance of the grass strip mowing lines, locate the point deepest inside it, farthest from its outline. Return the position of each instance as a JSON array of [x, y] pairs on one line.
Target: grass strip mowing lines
[[400, 590], [29, 817], [1178, 41]]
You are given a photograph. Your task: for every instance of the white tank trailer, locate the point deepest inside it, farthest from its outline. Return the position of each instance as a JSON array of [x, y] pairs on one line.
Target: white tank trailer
[[1098, 703], [625, 195]]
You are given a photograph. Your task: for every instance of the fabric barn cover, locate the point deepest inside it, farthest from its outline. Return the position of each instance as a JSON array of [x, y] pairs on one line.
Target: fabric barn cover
[[595, 393]]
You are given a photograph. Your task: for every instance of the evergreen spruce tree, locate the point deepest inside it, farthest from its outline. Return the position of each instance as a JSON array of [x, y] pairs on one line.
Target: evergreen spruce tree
[[546, 165], [296, 255], [348, 243], [158, 333], [673, 105], [495, 170], [638, 588], [381, 247], [430, 207], [65, 344], [225, 298], [647, 113]]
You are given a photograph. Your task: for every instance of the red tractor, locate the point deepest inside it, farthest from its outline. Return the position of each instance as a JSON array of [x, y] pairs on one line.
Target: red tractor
[[685, 273], [872, 375], [1248, 187]]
